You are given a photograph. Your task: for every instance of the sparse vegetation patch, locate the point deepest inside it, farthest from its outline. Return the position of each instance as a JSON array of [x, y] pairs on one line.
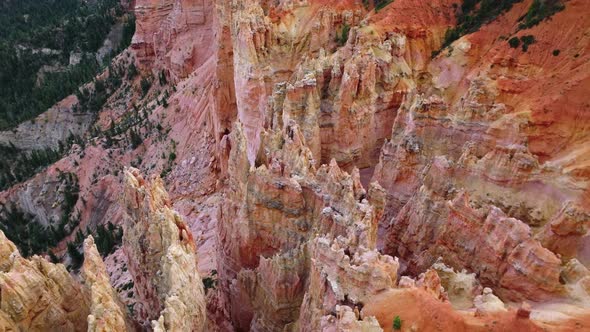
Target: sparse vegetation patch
[[472, 15], [539, 11]]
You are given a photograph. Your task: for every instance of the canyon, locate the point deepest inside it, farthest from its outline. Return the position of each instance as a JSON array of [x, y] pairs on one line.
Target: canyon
[[318, 165]]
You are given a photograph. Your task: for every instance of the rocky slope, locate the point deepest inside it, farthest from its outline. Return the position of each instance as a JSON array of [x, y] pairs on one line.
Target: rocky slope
[[49, 128], [335, 169]]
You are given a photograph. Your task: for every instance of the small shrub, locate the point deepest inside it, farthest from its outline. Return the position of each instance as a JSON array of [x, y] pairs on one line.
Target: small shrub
[[132, 71], [526, 41], [162, 77], [135, 138], [380, 4], [128, 31], [145, 85], [343, 38], [127, 286], [211, 281], [77, 258], [397, 323], [108, 238], [514, 42], [556, 52], [165, 172]]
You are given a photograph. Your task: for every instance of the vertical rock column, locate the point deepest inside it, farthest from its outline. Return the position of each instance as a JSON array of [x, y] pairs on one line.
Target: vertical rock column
[[162, 258], [106, 312]]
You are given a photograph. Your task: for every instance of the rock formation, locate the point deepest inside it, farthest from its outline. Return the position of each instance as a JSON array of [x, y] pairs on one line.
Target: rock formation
[[335, 168], [456, 169], [38, 295], [162, 260], [106, 311], [170, 35], [272, 237], [49, 128]]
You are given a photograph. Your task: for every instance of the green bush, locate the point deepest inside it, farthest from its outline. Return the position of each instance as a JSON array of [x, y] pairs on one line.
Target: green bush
[[53, 258], [145, 85], [556, 52], [135, 138], [71, 192], [514, 42], [128, 31], [526, 41], [76, 257], [93, 101], [132, 71], [397, 323], [162, 78], [210, 282], [107, 238], [343, 37], [380, 4]]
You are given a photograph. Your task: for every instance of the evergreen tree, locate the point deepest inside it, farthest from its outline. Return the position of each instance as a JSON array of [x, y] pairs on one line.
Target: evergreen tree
[[76, 256]]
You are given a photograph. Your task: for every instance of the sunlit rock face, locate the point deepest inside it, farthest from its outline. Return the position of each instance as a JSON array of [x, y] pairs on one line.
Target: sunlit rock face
[[38, 295], [106, 310], [162, 260]]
